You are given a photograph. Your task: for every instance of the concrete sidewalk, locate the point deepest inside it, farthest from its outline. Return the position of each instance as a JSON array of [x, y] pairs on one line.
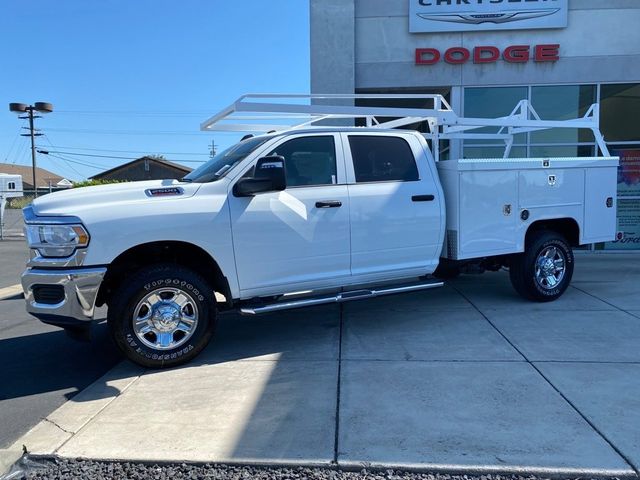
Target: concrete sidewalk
[[467, 378]]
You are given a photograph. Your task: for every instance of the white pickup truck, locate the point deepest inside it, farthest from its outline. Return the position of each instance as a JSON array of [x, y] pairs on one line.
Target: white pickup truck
[[310, 215]]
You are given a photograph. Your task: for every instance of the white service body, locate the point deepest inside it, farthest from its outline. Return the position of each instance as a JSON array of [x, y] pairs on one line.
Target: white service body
[[485, 200]]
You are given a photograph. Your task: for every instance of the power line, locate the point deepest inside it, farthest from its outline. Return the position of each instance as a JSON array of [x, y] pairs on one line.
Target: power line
[[68, 165], [74, 161], [135, 112], [126, 132], [124, 151], [12, 145], [112, 156], [21, 151]]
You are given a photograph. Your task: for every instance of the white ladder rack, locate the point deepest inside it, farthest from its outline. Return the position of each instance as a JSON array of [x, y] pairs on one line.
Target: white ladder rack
[[262, 113]]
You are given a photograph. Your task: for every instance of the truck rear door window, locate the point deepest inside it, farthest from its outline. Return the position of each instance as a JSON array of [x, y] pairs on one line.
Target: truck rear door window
[[382, 159]]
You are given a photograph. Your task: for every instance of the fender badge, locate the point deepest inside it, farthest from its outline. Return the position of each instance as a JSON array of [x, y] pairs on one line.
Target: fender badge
[[552, 180], [164, 192]]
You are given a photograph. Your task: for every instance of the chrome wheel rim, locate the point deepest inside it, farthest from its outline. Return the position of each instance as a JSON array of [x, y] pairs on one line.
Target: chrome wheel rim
[[165, 318], [550, 267]]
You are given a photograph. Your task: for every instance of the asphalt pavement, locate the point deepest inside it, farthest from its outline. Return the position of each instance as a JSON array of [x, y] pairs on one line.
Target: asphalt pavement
[[13, 256], [41, 366]]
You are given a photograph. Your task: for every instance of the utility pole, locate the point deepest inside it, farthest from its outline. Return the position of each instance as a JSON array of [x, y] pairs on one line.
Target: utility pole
[[41, 107], [213, 149]]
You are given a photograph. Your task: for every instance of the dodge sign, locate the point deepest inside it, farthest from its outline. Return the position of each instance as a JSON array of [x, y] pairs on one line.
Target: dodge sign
[[479, 15]]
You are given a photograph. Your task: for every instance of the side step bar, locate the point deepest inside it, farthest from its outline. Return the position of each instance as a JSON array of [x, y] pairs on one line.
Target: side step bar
[[338, 298]]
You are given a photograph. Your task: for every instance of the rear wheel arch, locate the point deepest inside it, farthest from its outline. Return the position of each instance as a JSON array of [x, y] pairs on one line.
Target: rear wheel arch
[[567, 227], [181, 254]]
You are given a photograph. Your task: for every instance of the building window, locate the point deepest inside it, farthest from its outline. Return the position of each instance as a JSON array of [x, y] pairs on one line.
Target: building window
[[492, 102], [550, 102], [563, 102], [488, 151], [628, 197], [619, 113], [11, 186], [620, 110]]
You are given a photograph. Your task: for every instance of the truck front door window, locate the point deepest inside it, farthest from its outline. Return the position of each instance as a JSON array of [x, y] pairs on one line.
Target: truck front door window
[[309, 160]]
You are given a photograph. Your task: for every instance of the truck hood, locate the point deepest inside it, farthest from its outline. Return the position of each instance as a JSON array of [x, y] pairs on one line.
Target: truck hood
[[77, 200]]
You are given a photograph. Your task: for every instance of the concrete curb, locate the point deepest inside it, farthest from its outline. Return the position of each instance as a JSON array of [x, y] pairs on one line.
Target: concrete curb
[[479, 470], [8, 457], [435, 469]]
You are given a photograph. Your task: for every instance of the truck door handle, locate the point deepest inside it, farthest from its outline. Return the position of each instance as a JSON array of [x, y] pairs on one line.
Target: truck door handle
[[423, 198], [329, 204]]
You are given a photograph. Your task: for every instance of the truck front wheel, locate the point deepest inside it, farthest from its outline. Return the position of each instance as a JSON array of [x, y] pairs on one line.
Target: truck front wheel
[[162, 316], [543, 272]]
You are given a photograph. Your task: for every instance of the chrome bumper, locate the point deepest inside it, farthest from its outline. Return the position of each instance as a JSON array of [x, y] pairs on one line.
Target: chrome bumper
[[80, 287]]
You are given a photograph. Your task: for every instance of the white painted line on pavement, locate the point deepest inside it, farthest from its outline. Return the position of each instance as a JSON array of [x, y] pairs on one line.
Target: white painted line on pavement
[[12, 291]]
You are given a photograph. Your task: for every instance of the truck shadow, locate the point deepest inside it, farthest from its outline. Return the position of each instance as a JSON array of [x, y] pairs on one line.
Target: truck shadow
[[50, 361]]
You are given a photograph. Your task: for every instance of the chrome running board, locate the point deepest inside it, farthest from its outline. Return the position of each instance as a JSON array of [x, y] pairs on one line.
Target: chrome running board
[[337, 298]]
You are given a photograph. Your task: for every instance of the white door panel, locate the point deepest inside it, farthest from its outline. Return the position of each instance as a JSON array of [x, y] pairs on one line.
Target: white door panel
[[283, 238], [395, 225], [300, 235], [389, 231]]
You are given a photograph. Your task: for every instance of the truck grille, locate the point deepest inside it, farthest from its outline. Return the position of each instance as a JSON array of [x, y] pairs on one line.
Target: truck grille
[[48, 294]]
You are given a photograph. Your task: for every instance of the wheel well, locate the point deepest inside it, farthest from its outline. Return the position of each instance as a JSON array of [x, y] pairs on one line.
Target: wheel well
[[180, 253], [567, 227]]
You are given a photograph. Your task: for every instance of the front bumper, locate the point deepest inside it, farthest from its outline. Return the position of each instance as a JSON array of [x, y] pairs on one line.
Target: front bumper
[[76, 307]]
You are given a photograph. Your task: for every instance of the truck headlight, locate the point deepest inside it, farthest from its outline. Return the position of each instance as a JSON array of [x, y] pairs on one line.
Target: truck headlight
[[56, 240]]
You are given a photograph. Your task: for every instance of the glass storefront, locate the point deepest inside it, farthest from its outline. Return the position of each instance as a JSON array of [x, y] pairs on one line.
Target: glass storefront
[[561, 102]]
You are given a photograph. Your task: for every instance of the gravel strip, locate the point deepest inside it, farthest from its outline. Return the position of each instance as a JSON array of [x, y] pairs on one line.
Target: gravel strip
[[62, 469]]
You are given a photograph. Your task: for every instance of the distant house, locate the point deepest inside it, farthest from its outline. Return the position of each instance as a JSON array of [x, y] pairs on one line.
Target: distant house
[[44, 178], [144, 168]]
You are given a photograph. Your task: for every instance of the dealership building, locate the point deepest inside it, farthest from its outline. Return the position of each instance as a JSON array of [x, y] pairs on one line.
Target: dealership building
[[484, 56]]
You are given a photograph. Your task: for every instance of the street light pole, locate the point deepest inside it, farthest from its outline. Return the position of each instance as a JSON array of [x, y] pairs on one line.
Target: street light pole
[[41, 107]]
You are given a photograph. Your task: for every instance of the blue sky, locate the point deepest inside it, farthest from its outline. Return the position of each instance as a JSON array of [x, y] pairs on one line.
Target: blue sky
[[140, 76]]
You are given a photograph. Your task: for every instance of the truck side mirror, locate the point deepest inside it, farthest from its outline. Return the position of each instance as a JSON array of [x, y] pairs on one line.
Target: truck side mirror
[[269, 176]]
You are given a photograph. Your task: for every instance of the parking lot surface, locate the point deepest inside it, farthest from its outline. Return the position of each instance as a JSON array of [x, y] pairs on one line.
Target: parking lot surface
[[40, 366], [467, 378]]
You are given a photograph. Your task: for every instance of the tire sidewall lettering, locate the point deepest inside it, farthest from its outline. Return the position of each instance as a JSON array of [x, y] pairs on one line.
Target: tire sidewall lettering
[[132, 344]]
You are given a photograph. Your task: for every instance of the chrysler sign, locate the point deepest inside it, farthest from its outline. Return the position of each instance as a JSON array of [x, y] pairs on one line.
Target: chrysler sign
[[480, 15]]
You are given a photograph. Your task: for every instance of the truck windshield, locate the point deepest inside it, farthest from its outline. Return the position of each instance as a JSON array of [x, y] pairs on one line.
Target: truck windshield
[[224, 161]]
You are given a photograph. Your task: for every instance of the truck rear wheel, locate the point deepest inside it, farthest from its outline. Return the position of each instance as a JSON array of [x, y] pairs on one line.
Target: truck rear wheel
[[543, 272], [163, 316]]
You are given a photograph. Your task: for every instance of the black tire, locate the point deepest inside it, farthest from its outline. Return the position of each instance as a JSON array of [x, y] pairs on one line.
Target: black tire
[[531, 282], [133, 296]]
